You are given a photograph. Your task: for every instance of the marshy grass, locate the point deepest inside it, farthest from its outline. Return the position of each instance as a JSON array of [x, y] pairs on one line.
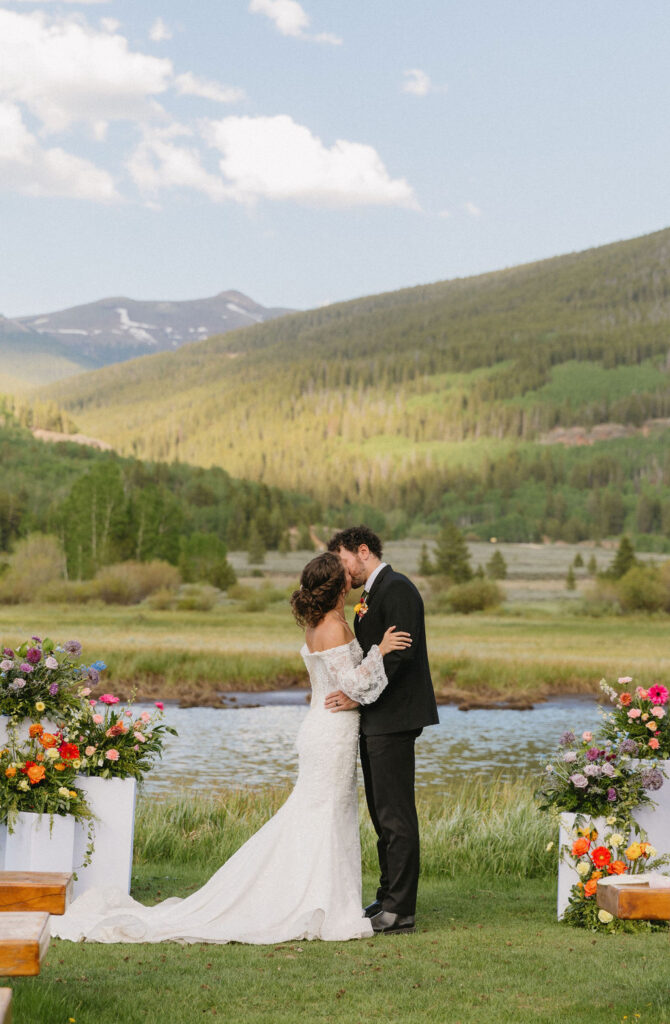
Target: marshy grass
[[492, 829]]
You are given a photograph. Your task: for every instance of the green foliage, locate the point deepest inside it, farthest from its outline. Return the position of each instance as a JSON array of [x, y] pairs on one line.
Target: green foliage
[[255, 546], [425, 567], [35, 562], [496, 567], [624, 560], [570, 582], [592, 567], [474, 596], [452, 557], [578, 562], [203, 559], [644, 589]]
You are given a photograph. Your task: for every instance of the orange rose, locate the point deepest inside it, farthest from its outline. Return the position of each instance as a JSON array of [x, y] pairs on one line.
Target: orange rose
[[625, 699], [35, 730], [10, 773], [645, 847], [590, 888], [580, 847], [36, 773], [60, 767], [47, 739], [617, 867], [595, 876]]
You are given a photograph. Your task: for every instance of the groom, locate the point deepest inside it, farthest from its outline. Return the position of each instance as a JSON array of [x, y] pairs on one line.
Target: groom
[[391, 724]]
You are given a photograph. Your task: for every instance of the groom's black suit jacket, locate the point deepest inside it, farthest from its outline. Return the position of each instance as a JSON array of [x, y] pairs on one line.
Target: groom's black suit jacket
[[408, 702]]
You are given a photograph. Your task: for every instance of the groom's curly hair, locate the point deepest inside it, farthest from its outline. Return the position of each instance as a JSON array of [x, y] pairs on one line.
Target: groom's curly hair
[[352, 538], [321, 584]]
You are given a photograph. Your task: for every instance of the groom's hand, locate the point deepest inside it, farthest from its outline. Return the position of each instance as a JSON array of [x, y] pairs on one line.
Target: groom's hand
[[338, 701]]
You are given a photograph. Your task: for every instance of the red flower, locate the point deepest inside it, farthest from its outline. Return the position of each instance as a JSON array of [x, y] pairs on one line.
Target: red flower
[[69, 751], [601, 856]]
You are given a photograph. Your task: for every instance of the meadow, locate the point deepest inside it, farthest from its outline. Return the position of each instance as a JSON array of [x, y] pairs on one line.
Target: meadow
[[487, 946]]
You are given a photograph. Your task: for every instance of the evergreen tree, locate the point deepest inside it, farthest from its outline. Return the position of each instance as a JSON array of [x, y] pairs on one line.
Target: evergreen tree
[[284, 545], [305, 542], [592, 567], [623, 560], [203, 559], [452, 557], [496, 567], [426, 567], [255, 546], [570, 581], [579, 561], [479, 573]]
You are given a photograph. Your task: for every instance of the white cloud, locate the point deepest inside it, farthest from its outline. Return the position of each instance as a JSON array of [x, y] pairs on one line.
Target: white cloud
[[80, 2], [110, 24], [76, 72], [159, 31], [444, 214], [28, 168], [158, 163], [188, 85], [472, 209], [275, 158], [290, 19], [416, 82]]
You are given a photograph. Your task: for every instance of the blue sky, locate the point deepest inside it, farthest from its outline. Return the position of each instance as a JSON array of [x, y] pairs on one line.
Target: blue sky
[[310, 152]]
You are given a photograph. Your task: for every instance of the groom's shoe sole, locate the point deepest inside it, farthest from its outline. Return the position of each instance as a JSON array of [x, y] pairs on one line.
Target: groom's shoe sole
[[388, 923]]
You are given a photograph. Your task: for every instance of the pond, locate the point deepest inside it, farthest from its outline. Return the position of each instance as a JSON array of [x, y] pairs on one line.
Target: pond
[[254, 746]]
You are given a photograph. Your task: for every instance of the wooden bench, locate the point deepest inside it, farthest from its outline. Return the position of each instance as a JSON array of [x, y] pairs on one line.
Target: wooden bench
[[47, 891], [634, 902], [24, 940], [5, 1006]]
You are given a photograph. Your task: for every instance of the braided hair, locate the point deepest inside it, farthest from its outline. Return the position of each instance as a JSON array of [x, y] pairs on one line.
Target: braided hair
[[321, 584]]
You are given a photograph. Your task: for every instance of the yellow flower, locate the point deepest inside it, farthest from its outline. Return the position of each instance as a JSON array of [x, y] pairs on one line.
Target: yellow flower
[[616, 840], [357, 608], [76, 763], [634, 851], [52, 754], [605, 916], [550, 846], [40, 705], [583, 868], [64, 792], [73, 795], [611, 820]]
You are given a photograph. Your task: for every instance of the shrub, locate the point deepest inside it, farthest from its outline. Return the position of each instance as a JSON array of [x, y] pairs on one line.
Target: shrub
[[131, 582], [36, 560], [67, 592], [197, 597], [642, 589], [496, 567], [474, 596]]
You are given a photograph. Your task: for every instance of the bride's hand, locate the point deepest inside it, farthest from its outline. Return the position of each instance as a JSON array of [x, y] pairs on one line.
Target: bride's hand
[[393, 641]]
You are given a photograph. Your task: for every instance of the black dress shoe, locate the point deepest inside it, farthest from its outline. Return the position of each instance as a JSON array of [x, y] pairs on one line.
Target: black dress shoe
[[387, 923], [372, 909]]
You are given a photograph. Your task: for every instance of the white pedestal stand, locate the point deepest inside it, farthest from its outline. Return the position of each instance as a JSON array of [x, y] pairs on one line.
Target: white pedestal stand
[[112, 802], [40, 844]]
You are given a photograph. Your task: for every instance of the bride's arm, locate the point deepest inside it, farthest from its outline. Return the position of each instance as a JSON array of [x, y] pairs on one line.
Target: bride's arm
[[356, 684]]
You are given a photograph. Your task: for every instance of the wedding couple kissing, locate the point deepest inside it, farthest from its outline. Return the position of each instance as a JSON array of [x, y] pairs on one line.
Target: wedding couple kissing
[[299, 876]]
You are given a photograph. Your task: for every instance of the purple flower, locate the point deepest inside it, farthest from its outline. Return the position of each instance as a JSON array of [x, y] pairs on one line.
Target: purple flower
[[53, 689], [652, 779], [609, 770], [72, 647], [34, 655], [8, 652], [17, 684], [579, 781], [36, 639], [628, 747], [93, 675], [569, 756], [593, 754], [593, 771], [567, 738], [611, 795], [25, 667]]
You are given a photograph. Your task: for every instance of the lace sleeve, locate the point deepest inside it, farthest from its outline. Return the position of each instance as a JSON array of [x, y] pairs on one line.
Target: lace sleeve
[[363, 682]]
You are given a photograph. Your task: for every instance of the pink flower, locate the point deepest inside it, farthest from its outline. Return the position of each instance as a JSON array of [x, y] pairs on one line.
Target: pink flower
[[108, 698], [658, 712], [128, 713], [89, 751], [145, 716], [93, 703], [634, 713], [624, 680], [140, 737], [587, 736], [160, 705], [51, 662], [98, 719], [85, 692], [653, 743], [112, 755], [658, 694], [642, 694]]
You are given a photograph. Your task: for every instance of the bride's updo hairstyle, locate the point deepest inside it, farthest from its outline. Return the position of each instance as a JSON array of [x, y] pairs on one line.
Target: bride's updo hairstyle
[[321, 584]]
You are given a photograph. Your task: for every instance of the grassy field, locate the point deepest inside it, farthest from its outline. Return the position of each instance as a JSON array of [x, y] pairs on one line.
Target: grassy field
[[487, 947]]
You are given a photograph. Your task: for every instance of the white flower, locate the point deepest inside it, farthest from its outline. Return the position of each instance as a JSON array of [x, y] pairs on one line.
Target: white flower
[[658, 712], [51, 662], [6, 665], [616, 840], [583, 868], [611, 820], [605, 916], [570, 756], [652, 851], [52, 754], [24, 784], [64, 792]]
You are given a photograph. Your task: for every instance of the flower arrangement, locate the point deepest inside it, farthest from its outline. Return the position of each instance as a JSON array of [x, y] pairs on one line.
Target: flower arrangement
[[39, 679], [641, 717], [41, 777], [594, 856], [117, 742], [595, 778]]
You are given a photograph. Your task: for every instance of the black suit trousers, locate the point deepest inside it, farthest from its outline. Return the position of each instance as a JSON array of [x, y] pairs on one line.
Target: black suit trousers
[[388, 773]]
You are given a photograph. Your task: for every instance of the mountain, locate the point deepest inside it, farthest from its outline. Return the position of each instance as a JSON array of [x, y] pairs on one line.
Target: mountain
[[426, 400], [55, 345]]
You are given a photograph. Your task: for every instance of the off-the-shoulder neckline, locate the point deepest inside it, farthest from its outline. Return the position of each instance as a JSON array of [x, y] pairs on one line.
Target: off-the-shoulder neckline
[[329, 649]]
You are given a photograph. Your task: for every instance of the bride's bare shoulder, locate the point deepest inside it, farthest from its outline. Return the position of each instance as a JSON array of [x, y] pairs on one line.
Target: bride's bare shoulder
[[330, 632]]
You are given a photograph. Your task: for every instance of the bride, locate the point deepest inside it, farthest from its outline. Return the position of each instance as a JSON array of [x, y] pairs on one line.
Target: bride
[[299, 876]]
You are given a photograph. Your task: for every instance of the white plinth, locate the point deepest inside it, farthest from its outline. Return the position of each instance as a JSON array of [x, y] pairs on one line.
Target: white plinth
[[22, 729], [656, 820], [40, 844], [112, 802], [567, 874]]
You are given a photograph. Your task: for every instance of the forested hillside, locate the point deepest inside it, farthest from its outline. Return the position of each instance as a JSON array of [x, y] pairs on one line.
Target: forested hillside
[[420, 401]]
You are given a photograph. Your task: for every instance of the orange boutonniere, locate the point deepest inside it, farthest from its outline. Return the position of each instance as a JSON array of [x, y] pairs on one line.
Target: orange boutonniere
[[361, 608]]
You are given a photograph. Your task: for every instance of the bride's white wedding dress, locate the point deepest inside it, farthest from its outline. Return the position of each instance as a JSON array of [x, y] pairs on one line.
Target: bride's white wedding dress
[[299, 876]]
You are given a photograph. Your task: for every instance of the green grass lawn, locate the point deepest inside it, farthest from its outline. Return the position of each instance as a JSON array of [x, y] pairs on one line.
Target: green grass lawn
[[486, 952]]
